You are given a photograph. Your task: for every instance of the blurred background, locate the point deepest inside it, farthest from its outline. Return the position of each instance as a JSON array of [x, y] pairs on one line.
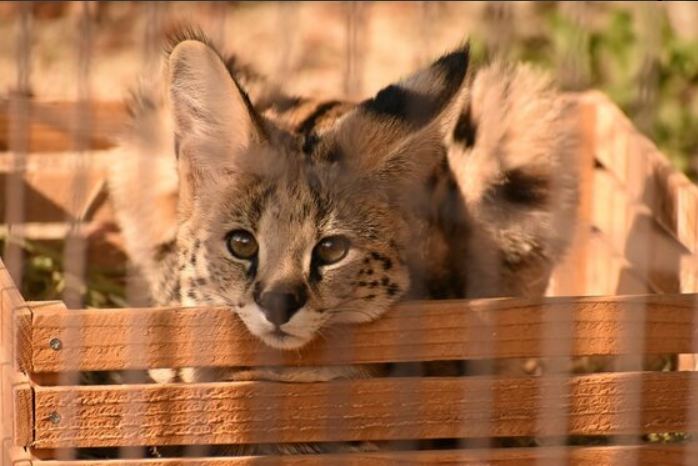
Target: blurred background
[[643, 55]]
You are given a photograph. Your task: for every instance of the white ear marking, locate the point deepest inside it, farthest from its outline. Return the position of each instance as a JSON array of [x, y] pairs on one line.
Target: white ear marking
[[213, 122], [206, 101]]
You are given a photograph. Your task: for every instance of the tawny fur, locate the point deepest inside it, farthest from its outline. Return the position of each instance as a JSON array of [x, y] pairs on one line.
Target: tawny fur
[[518, 179], [447, 187]]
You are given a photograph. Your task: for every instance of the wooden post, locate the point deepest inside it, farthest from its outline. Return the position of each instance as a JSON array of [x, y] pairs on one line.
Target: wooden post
[[571, 276], [16, 430]]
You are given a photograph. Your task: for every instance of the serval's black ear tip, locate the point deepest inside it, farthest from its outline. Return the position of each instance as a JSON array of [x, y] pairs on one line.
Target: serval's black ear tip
[[423, 96], [453, 66]]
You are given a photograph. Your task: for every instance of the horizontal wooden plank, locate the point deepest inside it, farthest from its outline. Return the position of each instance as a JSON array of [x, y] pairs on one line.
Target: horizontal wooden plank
[[442, 330], [51, 202], [51, 182], [641, 455], [53, 126], [262, 412]]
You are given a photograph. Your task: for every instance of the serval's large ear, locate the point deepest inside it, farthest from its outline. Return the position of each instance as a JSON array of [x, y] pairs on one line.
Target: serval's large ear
[[214, 121], [399, 133]]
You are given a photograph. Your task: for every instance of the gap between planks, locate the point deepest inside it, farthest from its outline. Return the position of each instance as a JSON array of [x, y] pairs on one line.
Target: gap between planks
[[644, 455]]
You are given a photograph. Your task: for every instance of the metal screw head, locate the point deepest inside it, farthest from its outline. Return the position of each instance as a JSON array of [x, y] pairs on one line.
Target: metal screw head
[[54, 417], [55, 344]]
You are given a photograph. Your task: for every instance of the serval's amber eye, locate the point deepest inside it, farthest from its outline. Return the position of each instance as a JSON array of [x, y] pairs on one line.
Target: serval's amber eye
[[331, 250], [242, 244]]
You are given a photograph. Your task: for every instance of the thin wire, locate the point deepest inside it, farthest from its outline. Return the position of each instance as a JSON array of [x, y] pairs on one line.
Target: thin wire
[[425, 17], [217, 12], [74, 252], [151, 56], [151, 50], [19, 121], [500, 28], [572, 58], [18, 140], [287, 13], [75, 247], [691, 454], [558, 320], [648, 78], [632, 336], [355, 23]]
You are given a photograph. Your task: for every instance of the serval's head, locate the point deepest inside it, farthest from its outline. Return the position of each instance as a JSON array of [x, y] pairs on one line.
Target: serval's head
[[297, 231]]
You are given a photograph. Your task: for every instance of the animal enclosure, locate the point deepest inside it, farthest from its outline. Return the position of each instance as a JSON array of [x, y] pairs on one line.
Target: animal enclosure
[[646, 202], [623, 302]]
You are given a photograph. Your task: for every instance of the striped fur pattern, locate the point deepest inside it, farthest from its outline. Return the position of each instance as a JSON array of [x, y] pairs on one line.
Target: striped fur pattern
[[447, 184]]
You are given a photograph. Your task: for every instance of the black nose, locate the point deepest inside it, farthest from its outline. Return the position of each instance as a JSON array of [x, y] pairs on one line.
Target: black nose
[[279, 306]]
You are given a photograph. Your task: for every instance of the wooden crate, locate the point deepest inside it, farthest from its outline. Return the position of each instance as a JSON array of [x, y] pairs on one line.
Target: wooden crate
[[637, 237]]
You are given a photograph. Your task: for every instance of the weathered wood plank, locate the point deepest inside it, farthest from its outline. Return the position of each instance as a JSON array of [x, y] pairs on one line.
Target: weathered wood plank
[[411, 332], [609, 272], [11, 455], [635, 235], [23, 337], [253, 412], [50, 181], [23, 414], [11, 304], [13, 350], [13, 356], [50, 202], [647, 174], [650, 179], [52, 125]]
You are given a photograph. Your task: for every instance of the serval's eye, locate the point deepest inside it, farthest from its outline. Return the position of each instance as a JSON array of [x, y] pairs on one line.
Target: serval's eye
[[242, 244], [331, 250]]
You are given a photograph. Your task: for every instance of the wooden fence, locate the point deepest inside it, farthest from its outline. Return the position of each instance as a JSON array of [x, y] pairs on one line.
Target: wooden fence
[[645, 204], [623, 298]]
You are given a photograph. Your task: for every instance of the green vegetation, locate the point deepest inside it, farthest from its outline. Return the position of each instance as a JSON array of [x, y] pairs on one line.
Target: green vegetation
[[629, 52], [43, 277]]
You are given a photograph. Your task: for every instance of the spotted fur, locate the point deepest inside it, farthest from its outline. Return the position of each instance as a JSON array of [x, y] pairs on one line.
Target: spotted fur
[[445, 186]]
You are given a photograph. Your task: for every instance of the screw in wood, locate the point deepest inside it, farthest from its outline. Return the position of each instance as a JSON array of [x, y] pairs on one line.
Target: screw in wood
[[54, 417], [55, 344]]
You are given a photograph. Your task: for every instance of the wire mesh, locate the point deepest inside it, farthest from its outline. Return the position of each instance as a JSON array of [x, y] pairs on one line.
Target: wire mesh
[[19, 145], [75, 247], [14, 210], [357, 19]]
